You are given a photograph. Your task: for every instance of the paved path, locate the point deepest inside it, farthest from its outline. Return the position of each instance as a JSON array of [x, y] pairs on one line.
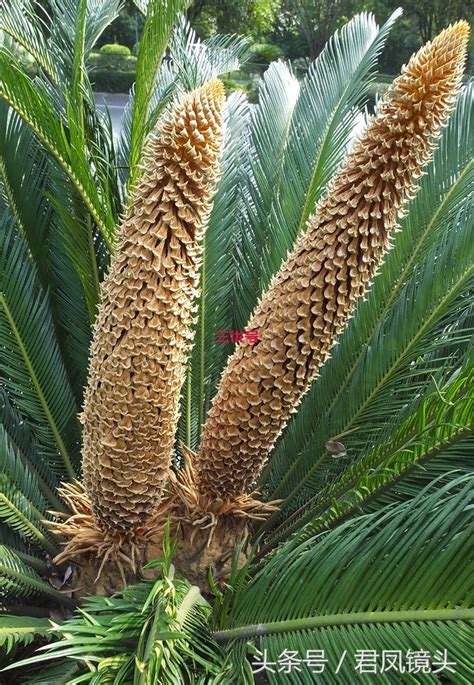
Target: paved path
[[115, 102]]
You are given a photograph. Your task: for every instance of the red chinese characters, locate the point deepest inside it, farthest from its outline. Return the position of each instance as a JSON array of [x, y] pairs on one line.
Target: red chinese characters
[[236, 337]]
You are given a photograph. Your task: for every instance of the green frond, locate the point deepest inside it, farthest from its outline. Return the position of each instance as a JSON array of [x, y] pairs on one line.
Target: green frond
[[20, 21], [22, 630], [18, 474], [383, 358], [20, 515], [141, 5], [149, 633], [33, 372], [196, 61], [64, 19], [444, 418], [24, 550], [22, 504], [34, 104], [67, 287], [455, 458], [26, 172], [392, 580], [18, 581], [18, 433], [99, 15], [23, 172], [159, 22]]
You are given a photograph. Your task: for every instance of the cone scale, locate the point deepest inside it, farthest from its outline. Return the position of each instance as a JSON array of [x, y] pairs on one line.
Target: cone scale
[[142, 334], [330, 268]]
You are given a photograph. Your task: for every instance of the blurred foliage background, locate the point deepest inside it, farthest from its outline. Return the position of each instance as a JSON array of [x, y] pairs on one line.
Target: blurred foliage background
[[293, 30]]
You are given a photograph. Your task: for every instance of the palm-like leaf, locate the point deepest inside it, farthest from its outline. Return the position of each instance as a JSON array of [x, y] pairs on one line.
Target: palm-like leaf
[[20, 21], [395, 579], [21, 501], [19, 581], [34, 373], [443, 419], [152, 632], [34, 104], [22, 630], [25, 171]]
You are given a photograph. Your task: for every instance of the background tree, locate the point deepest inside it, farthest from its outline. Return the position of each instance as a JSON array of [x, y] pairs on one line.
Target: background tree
[[429, 16], [250, 17], [127, 28], [315, 20]]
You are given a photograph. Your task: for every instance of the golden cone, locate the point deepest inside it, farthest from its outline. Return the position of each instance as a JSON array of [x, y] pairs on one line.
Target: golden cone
[[311, 298], [143, 330]]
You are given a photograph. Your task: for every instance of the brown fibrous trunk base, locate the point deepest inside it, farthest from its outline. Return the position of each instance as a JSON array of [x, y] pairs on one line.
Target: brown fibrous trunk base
[[207, 535], [199, 552]]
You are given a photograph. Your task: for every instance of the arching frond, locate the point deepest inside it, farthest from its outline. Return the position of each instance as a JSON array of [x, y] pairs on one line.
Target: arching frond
[[33, 373], [150, 633], [194, 61], [19, 581], [392, 580], [20, 21], [444, 418], [434, 297], [22, 630], [33, 102], [61, 258]]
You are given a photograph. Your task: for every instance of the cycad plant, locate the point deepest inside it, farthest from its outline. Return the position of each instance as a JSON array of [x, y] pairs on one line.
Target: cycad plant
[[293, 502]]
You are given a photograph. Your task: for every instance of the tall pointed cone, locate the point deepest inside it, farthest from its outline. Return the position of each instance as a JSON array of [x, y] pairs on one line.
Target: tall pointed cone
[[333, 262], [143, 329]]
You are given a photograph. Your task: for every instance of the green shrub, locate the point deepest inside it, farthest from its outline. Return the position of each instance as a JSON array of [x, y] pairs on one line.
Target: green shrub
[[112, 73], [115, 49], [112, 80], [264, 53], [232, 85], [101, 60]]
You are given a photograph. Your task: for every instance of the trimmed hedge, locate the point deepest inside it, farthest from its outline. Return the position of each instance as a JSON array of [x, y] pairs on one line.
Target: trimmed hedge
[[110, 72], [115, 49], [112, 80]]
